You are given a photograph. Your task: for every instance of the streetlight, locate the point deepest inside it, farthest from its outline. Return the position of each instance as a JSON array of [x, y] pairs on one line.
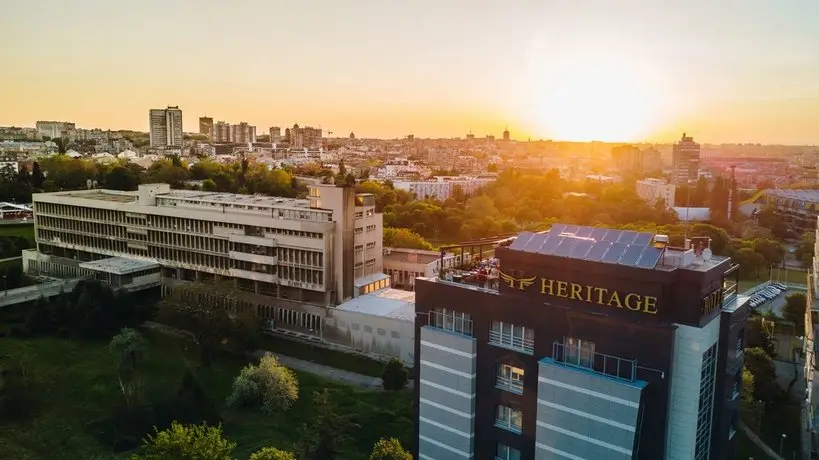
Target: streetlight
[[781, 443]]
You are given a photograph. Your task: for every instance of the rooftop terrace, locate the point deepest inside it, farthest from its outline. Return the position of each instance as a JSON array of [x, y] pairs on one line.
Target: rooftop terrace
[[113, 196], [235, 198]]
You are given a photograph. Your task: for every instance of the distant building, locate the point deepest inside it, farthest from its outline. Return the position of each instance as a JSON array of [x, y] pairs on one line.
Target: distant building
[[627, 159], [275, 135], [166, 127], [506, 135], [797, 208], [651, 190], [206, 126], [54, 129], [306, 137], [685, 161], [441, 188], [221, 133], [243, 133]]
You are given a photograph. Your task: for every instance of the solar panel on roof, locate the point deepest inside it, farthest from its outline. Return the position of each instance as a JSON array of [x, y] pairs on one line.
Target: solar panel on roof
[[583, 232], [598, 233], [614, 253], [650, 257], [612, 235], [598, 250], [627, 237], [631, 255], [565, 247], [643, 239], [581, 249], [570, 229], [549, 246], [557, 228], [521, 240], [534, 242]]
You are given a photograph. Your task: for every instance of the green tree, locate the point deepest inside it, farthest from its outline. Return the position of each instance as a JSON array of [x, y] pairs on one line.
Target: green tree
[[209, 185], [751, 410], [128, 347], [404, 238], [270, 383], [121, 178], [41, 319], [749, 261], [395, 375], [804, 251], [794, 311], [186, 442], [771, 250], [324, 437], [761, 366], [389, 449], [758, 333], [271, 453]]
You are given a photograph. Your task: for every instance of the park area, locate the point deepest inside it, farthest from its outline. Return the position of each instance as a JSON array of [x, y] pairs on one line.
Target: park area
[[76, 398]]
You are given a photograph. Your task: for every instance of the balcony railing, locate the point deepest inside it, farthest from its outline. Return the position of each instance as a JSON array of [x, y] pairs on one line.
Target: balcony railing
[[508, 425], [451, 322], [599, 363], [512, 342], [509, 384]]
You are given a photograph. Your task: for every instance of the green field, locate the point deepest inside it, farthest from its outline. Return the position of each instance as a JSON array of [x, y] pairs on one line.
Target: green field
[[24, 230], [790, 276], [76, 384]]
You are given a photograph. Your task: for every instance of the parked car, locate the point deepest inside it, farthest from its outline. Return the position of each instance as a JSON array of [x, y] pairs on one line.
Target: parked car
[[780, 286]]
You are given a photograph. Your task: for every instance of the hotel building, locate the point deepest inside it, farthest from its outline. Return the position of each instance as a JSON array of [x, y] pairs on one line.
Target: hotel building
[[292, 257], [590, 344]]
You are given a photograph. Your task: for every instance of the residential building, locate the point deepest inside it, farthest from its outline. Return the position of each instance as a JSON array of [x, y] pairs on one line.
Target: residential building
[[291, 257], [810, 408], [506, 135], [799, 209], [275, 135], [53, 129], [206, 126], [628, 159], [243, 133], [590, 343], [222, 133], [442, 187], [306, 137], [166, 127], [652, 190], [685, 161]]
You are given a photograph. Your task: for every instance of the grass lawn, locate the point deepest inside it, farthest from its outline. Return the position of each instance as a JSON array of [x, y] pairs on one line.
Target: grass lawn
[[349, 362], [24, 230], [791, 276], [77, 385]]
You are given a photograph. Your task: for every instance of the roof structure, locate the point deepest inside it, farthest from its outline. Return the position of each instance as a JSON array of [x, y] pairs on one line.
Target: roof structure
[[389, 302], [622, 247], [119, 265]]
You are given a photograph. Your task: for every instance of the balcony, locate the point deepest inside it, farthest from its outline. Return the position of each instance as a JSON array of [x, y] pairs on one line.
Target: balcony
[[509, 384], [598, 363], [512, 342]]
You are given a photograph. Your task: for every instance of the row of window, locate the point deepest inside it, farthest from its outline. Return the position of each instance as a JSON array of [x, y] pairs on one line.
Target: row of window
[[341, 324]]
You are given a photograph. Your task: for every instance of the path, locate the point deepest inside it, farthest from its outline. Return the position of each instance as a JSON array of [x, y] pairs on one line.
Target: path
[[759, 443]]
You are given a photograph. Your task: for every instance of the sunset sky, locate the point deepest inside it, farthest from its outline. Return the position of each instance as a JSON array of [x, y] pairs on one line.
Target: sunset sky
[[724, 71]]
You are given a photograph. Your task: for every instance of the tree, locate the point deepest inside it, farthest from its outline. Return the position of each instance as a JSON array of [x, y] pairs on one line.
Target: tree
[[186, 442], [794, 311], [395, 375], [209, 185], [749, 261], [804, 252], [37, 177], [270, 383], [771, 250], [271, 453], [757, 335], [121, 178], [128, 346], [404, 238], [751, 410], [761, 366], [41, 319], [389, 449], [327, 433], [201, 309]]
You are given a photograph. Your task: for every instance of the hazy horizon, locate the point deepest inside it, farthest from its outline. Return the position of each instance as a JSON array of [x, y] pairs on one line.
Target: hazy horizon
[[734, 72]]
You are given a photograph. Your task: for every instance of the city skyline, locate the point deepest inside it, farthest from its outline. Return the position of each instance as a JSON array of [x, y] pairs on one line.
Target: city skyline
[[547, 70]]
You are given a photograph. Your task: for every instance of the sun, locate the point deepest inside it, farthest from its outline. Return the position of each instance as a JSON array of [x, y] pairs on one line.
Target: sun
[[598, 100]]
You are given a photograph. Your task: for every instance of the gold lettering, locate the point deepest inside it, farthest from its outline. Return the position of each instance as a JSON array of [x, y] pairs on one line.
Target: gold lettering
[[547, 286], [650, 305], [588, 293], [562, 289], [615, 298], [600, 293], [634, 302], [575, 294]]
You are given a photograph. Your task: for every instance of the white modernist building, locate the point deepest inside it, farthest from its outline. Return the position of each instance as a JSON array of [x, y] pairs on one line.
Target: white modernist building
[[295, 259], [442, 187], [651, 190]]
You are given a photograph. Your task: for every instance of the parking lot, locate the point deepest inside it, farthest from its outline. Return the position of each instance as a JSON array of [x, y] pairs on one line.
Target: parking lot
[[775, 305]]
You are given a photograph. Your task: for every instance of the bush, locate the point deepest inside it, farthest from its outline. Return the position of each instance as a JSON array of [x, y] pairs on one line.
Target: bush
[[187, 442], [271, 384], [271, 453], [18, 391], [395, 375], [389, 449]]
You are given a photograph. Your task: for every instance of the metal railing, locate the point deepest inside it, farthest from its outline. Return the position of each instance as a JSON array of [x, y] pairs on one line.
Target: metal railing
[[451, 321], [599, 363], [509, 384], [508, 425], [512, 342]]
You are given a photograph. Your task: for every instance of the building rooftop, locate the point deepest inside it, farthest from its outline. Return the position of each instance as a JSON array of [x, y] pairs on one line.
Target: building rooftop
[[103, 195], [235, 198], [390, 303], [119, 265], [804, 195], [415, 256]]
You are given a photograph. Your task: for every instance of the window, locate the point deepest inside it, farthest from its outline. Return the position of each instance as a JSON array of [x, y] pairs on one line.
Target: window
[[381, 331], [741, 342], [510, 378], [706, 403], [509, 419], [735, 390], [356, 326], [579, 352], [505, 452], [511, 336], [368, 329], [395, 335], [452, 321]]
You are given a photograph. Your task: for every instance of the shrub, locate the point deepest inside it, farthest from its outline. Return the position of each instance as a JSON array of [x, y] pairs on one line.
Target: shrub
[[271, 384], [271, 453], [395, 375], [246, 392], [389, 449], [186, 442]]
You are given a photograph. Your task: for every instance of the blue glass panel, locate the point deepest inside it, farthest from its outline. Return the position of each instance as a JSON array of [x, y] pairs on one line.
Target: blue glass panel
[[581, 249], [650, 257], [643, 239], [583, 232], [614, 253], [565, 247], [557, 229], [612, 235], [549, 246], [631, 255], [521, 240], [598, 250], [627, 237], [598, 233]]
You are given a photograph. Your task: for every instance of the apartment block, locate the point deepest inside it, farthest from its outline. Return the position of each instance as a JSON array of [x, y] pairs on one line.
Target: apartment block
[[165, 127], [652, 190]]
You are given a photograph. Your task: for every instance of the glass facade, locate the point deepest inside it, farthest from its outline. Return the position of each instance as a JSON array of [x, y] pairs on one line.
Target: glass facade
[[706, 403]]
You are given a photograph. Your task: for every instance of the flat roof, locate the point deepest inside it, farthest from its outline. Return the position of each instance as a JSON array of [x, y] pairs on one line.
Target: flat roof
[[804, 195], [102, 195], [119, 265], [389, 303], [411, 256], [235, 198], [371, 279]]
